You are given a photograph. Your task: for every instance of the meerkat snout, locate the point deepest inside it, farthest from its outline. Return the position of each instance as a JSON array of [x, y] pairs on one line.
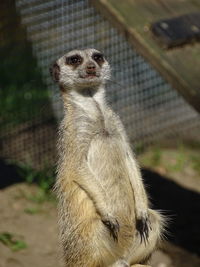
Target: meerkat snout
[[91, 69], [81, 69]]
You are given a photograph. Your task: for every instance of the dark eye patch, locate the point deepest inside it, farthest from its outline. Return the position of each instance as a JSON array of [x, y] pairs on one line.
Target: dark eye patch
[[74, 60], [98, 57]]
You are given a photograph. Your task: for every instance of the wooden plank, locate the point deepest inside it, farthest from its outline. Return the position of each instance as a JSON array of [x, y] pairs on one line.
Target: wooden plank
[[180, 66]]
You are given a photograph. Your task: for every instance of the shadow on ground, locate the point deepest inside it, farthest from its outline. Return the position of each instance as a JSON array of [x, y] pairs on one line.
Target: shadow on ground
[[182, 206], [8, 174]]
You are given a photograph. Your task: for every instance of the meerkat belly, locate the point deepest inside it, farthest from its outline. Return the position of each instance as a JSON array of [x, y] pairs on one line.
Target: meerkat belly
[[106, 160]]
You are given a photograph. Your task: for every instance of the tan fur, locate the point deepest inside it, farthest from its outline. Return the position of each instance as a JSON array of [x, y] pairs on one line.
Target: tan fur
[[99, 185]]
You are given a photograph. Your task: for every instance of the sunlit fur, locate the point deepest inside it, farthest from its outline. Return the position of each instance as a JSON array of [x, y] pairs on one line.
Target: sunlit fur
[[98, 177]]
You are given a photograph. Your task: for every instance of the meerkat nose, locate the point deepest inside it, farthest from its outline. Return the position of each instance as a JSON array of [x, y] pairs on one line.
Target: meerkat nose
[[91, 68]]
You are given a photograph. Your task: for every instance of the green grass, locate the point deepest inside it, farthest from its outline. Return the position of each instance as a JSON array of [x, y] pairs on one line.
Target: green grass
[[40, 197], [179, 161], [32, 210], [196, 163], [44, 178], [172, 160], [22, 91], [155, 158], [11, 240]]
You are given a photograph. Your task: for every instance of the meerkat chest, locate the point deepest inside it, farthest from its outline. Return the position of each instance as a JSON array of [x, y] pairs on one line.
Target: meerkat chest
[[93, 117], [107, 161]]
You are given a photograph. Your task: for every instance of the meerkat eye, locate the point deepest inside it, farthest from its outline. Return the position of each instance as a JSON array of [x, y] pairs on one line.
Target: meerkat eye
[[74, 60], [98, 57]]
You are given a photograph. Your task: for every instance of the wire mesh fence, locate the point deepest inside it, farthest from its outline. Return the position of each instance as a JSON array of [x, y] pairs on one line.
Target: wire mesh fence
[[148, 106]]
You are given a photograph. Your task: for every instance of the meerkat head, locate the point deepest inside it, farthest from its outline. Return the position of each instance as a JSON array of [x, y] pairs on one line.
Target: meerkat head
[[81, 69]]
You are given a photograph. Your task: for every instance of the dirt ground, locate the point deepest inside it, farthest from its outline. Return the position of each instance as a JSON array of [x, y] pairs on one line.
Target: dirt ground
[[28, 225]]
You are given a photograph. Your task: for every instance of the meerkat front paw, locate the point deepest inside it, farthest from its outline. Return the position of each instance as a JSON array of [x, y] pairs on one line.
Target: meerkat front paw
[[143, 226], [113, 226]]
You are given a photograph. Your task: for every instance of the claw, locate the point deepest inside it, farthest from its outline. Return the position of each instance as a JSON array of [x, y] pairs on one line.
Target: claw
[[113, 227], [143, 227]]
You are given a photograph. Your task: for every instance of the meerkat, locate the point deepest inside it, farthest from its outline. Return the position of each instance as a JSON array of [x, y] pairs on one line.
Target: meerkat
[[104, 213]]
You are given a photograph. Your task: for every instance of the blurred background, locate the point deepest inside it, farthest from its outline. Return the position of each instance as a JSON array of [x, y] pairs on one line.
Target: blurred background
[[154, 88]]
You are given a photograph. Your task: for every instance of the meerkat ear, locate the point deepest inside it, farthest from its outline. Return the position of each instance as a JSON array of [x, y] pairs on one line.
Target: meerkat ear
[[55, 72]]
